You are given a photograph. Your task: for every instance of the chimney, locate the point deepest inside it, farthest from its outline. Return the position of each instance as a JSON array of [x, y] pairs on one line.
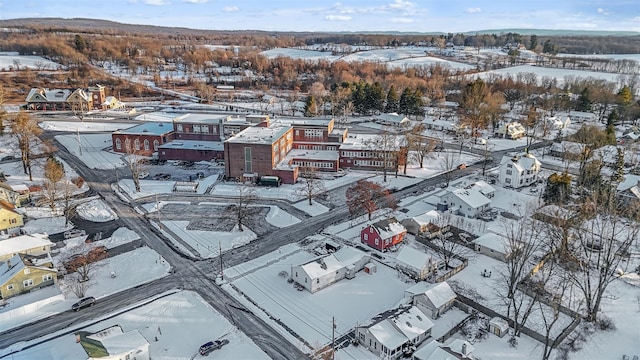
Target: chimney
[[464, 348]]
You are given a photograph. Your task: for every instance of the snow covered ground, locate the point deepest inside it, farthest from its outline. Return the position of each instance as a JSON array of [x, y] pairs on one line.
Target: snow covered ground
[[127, 268], [96, 210], [49, 225], [208, 243], [280, 218], [11, 60], [175, 326], [309, 315], [92, 150], [313, 210]]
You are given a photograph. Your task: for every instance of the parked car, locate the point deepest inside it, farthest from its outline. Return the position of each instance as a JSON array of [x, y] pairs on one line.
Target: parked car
[[462, 166], [83, 303], [74, 233], [211, 346], [143, 175], [8, 157]]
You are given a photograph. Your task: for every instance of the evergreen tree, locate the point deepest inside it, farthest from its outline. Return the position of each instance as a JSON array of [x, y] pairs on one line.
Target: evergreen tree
[[533, 42], [310, 108], [618, 173], [405, 101], [584, 100], [393, 103], [558, 188], [625, 96]]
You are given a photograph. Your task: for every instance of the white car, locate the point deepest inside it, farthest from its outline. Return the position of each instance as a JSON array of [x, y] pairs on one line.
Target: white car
[[74, 233], [143, 175]]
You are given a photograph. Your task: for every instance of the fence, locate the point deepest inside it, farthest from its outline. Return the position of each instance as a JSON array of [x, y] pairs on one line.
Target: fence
[[448, 274]]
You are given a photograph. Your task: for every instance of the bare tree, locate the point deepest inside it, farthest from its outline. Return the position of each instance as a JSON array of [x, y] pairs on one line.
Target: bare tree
[[523, 244], [384, 148], [81, 265], [419, 145], [448, 162], [550, 310], [134, 160], [368, 196], [79, 108], [242, 209], [601, 243], [448, 249], [53, 173], [26, 130], [312, 185]]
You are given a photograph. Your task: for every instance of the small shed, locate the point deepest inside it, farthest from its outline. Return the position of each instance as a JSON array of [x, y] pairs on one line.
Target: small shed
[[498, 326], [370, 268]]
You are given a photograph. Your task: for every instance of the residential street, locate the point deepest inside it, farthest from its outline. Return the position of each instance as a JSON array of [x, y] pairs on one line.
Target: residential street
[[195, 274]]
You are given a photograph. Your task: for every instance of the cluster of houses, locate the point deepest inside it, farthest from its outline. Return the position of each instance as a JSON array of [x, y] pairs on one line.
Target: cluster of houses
[[93, 98]]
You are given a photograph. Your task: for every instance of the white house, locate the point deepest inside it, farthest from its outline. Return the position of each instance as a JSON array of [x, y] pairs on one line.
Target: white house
[[519, 170], [393, 119], [467, 202], [326, 270], [391, 336], [427, 224], [581, 116], [511, 130], [569, 149], [493, 245], [114, 344], [30, 244], [558, 122], [415, 263], [484, 188], [432, 299], [435, 350]]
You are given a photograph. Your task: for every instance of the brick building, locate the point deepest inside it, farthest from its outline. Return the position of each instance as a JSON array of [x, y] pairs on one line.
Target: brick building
[[200, 127], [258, 151], [143, 139], [363, 152]]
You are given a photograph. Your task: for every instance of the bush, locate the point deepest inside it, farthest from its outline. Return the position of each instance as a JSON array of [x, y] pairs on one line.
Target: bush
[[606, 324], [78, 181]]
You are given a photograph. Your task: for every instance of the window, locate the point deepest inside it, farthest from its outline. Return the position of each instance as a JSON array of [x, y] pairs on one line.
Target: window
[[377, 241], [12, 221], [179, 128], [10, 287], [27, 283], [247, 160], [509, 172], [155, 145], [146, 144], [305, 280], [508, 181], [196, 129], [118, 144], [366, 236], [47, 277], [317, 281], [136, 144], [205, 129]]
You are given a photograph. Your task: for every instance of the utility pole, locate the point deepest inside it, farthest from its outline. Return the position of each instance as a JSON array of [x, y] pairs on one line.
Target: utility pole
[[79, 143], [333, 338], [221, 268]]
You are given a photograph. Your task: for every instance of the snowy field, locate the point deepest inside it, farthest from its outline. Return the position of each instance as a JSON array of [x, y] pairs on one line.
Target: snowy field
[[208, 243], [126, 266], [309, 315], [11, 60], [559, 74], [92, 150], [119, 237], [315, 209], [16, 176], [180, 322], [83, 127], [49, 225]]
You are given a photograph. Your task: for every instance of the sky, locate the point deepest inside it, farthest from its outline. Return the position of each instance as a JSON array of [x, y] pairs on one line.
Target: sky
[[347, 15]]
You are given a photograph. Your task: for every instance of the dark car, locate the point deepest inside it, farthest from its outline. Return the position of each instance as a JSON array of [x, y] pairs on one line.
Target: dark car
[[211, 346], [83, 303]]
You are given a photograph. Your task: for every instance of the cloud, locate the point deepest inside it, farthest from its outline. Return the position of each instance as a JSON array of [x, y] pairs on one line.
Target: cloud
[[473, 10], [401, 20], [230, 9], [338, 17], [603, 11], [636, 19], [156, 2], [402, 5], [196, 1]]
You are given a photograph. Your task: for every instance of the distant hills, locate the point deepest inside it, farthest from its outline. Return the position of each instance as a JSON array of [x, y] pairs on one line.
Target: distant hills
[[107, 25]]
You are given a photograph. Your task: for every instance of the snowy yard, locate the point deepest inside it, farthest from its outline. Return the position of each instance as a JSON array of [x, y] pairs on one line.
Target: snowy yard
[[309, 315], [208, 243], [96, 210], [175, 326], [92, 150], [127, 268]]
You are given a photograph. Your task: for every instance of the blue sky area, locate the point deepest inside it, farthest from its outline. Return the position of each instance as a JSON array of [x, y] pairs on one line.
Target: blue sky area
[[347, 15]]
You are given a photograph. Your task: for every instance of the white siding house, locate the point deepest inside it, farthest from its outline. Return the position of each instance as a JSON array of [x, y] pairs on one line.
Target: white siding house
[[467, 202], [415, 263], [326, 270], [433, 299], [518, 171], [512, 130], [390, 337]]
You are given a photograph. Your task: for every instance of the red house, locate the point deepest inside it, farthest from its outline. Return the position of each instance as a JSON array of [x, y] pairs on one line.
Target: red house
[[383, 234]]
